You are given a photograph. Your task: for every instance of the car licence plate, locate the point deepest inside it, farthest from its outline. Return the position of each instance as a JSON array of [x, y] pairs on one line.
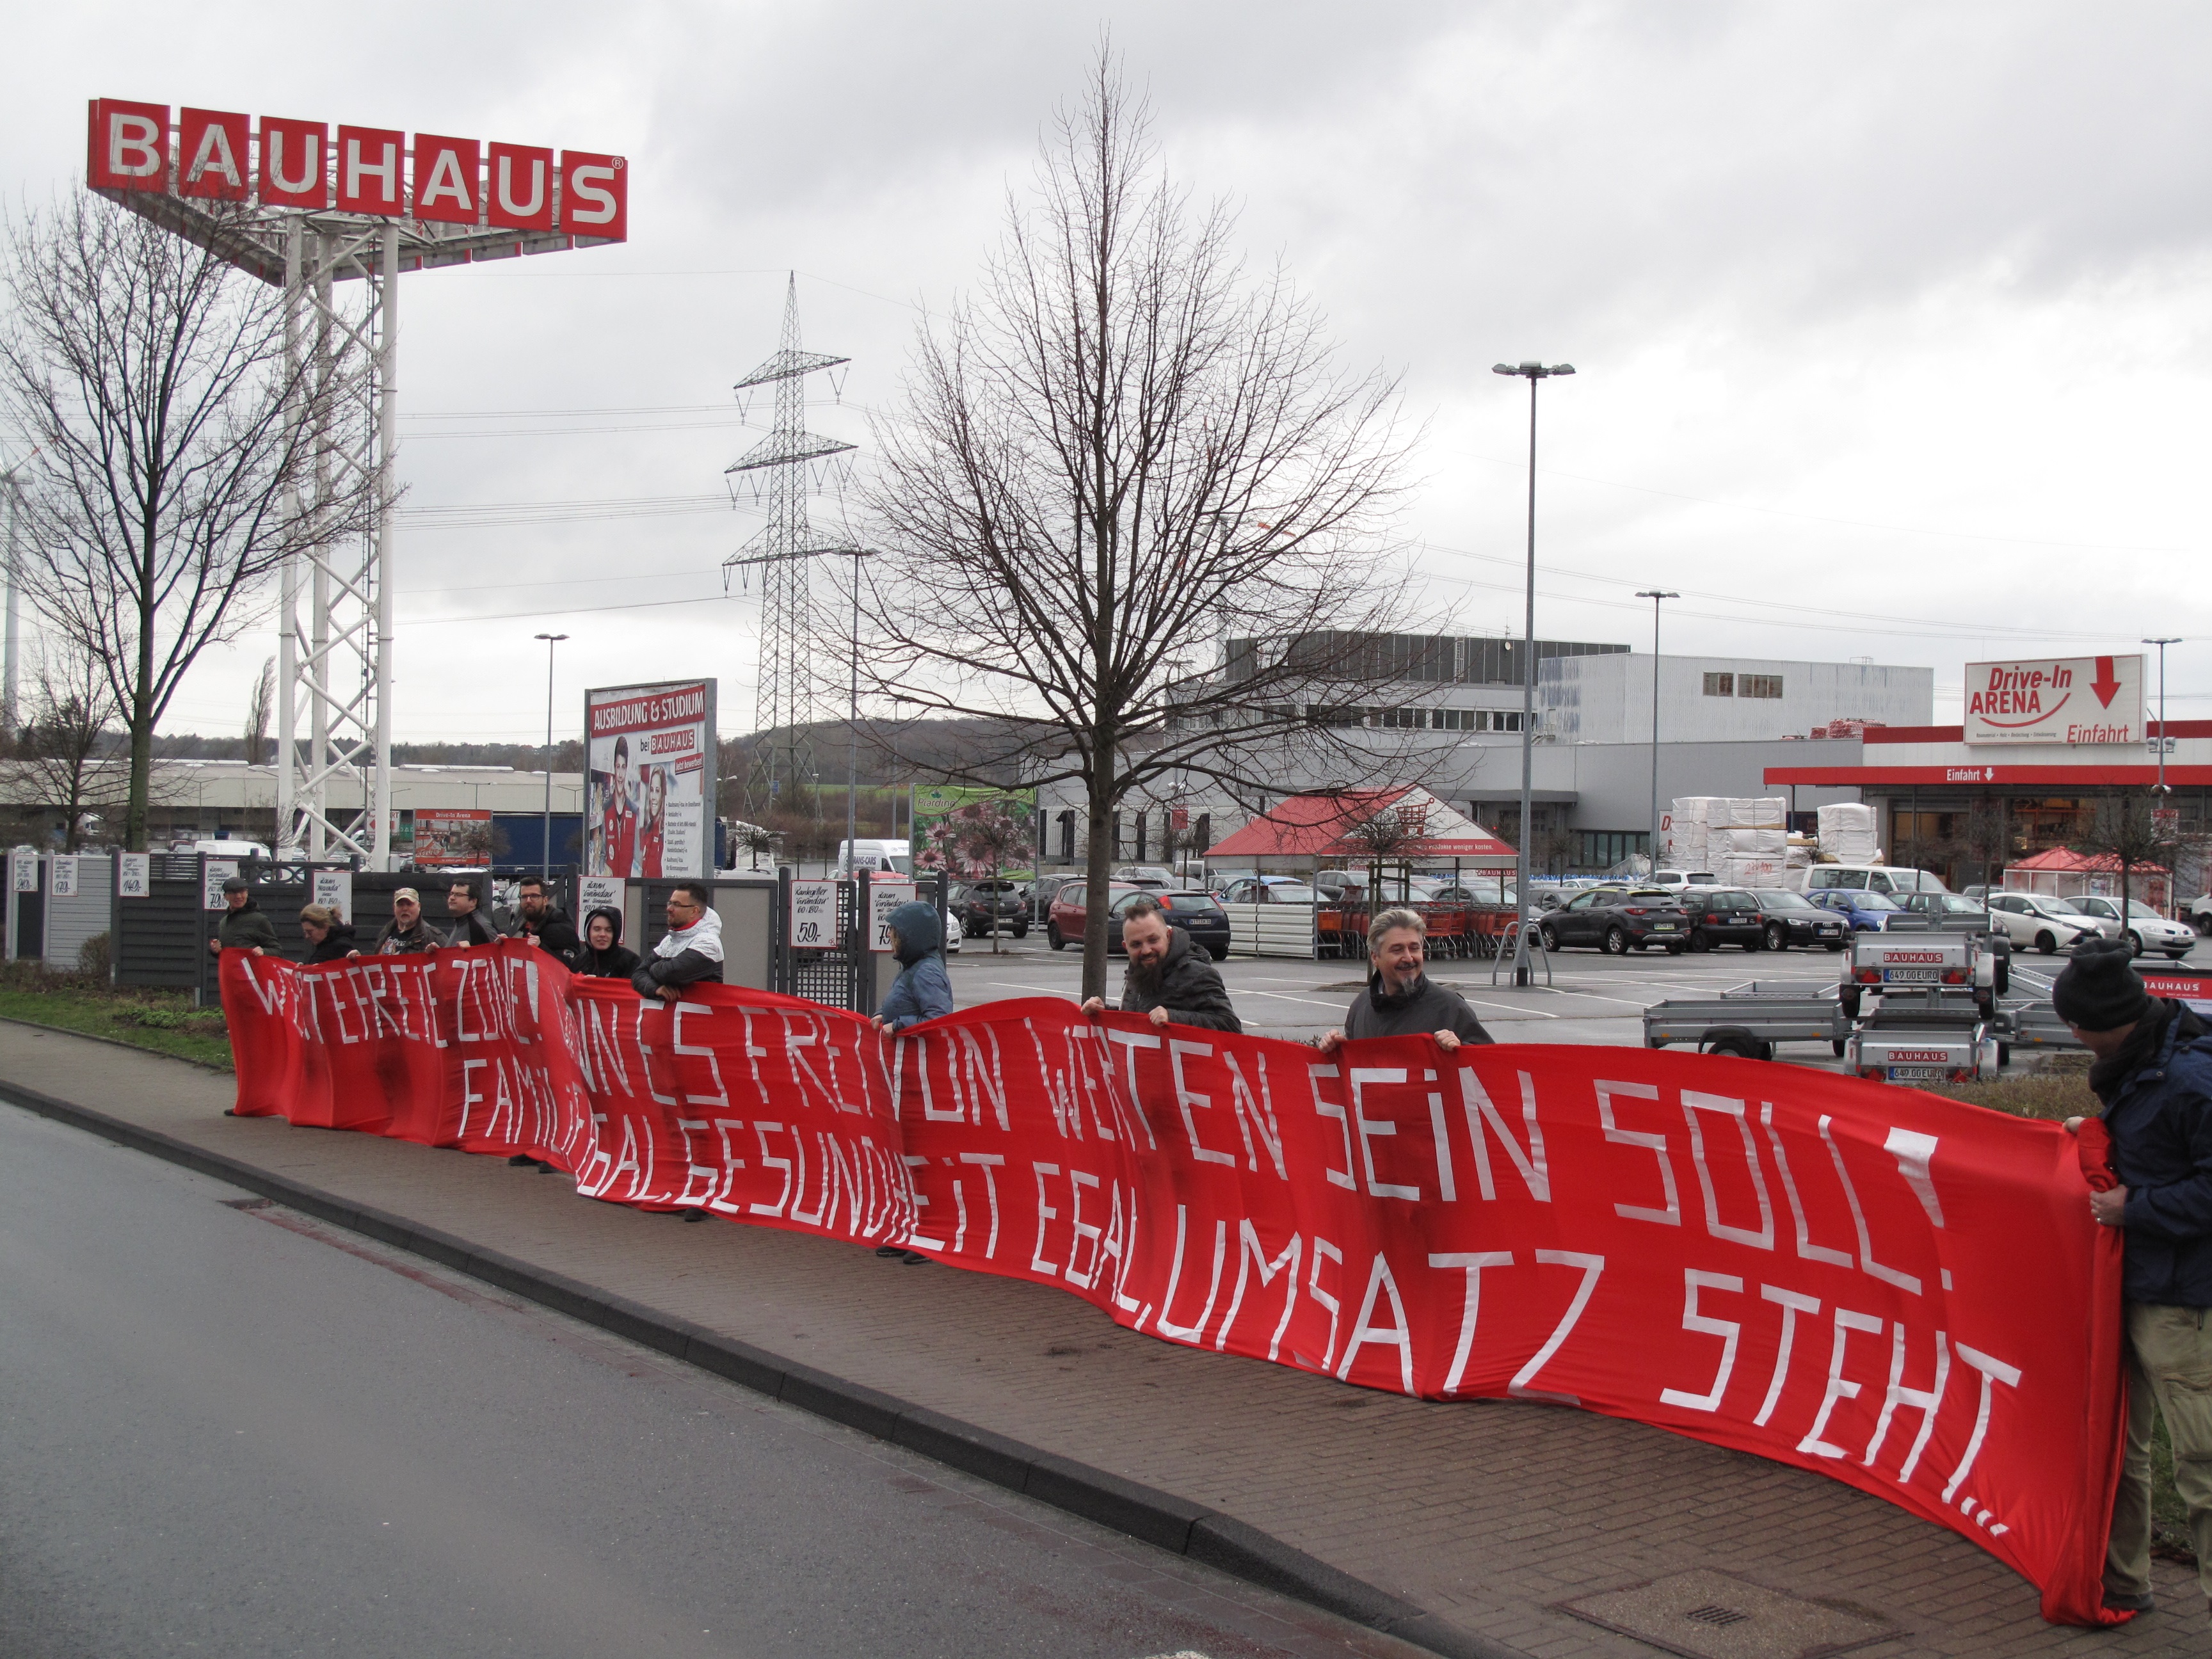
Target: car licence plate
[[1915, 1073], [1662, 926], [1911, 976]]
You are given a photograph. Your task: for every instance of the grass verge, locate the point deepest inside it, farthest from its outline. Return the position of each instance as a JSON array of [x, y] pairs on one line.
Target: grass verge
[[163, 1021]]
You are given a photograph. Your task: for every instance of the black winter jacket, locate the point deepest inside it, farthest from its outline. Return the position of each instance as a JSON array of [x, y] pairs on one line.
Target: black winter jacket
[[2160, 1115], [1189, 988], [337, 944], [244, 929], [553, 930], [1427, 1007]]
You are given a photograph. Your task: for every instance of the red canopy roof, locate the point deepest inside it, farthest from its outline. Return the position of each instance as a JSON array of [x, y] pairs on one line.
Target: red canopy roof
[[1326, 826], [2067, 859]]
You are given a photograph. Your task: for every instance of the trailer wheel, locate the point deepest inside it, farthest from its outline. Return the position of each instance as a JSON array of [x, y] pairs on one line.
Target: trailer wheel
[[1838, 1045], [1739, 1045], [1849, 996], [2004, 1053]]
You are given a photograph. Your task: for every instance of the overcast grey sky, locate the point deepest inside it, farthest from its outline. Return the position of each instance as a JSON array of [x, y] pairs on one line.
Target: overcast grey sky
[[1891, 319]]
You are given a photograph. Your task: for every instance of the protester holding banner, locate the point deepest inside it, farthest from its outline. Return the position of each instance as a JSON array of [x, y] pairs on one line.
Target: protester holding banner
[[471, 925], [2153, 1070], [689, 952], [1400, 999], [544, 923], [602, 954], [406, 934], [1168, 977], [329, 938], [922, 991], [244, 926]]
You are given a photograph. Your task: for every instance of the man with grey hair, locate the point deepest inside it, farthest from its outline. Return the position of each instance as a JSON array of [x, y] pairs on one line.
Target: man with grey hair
[[1399, 1000], [1168, 978]]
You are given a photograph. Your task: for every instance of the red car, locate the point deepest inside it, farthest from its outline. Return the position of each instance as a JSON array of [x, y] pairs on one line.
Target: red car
[[1063, 922]]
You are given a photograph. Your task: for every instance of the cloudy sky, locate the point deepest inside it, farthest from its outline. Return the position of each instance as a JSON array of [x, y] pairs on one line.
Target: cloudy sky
[[1891, 319]]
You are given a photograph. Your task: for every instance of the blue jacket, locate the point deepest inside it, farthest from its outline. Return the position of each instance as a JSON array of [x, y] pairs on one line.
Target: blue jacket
[[2161, 1121], [923, 990]]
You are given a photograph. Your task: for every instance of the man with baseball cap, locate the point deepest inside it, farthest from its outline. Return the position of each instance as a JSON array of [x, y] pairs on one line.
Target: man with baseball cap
[[245, 924], [2152, 1069], [406, 934]]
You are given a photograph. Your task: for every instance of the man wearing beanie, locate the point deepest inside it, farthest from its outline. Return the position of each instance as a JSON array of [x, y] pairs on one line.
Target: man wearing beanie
[[2152, 1068]]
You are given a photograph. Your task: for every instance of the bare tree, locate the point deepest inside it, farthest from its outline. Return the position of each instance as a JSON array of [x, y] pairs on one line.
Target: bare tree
[[154, 379], [66, 762], [259, 707], [1133, 514]]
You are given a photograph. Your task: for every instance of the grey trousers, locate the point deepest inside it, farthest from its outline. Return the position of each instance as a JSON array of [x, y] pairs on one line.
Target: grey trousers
[[2170, 1368]]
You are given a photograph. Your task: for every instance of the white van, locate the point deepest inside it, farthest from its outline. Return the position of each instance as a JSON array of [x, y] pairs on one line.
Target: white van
[[884, 857], [1873, 877], [1675, 880]]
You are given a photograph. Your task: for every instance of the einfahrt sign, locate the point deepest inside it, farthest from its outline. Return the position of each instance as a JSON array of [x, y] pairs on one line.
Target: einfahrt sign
[[2065, 700], [217, 155]]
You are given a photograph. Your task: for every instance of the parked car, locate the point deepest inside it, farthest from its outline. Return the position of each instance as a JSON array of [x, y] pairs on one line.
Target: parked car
[[1722, 916], [1793, 919], [1865, 911], [2147, 930], [1947, 909], [1146, 875], [2048, 924], [1268, 889], [1064, 918], [1676, 880], [972, 906], [1617, 920], [1873, 877], [1199, 914], [1041, 895]]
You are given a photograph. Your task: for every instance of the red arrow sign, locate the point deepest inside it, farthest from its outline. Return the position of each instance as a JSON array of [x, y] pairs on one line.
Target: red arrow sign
[[2106, 685]]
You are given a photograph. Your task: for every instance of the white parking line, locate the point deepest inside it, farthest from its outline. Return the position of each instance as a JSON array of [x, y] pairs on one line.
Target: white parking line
[[1241, 990]]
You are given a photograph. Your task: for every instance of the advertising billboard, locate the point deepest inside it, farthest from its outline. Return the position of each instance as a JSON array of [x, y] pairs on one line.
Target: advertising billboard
[[649, 780], [2062, 700], [972, 831], [443, 839]]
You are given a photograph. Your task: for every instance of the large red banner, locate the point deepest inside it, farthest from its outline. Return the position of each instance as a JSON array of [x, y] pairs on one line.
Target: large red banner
[[1897, 1290]]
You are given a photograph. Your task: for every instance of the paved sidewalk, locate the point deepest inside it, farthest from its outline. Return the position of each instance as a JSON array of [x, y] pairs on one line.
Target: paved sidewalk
[[1487, 1514]]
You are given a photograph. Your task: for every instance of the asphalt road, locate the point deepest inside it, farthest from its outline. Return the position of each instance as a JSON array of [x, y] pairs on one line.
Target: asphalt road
[[1592, 997], [227, 1430]]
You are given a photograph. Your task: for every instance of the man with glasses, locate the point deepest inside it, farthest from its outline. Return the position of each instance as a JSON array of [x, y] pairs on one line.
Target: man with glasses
[[689, 952]]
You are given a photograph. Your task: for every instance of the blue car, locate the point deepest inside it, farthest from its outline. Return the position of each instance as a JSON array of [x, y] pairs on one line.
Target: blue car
[[1868, 912]]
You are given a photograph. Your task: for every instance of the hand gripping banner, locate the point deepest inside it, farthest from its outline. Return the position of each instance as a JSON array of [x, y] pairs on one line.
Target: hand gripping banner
[[1900, 1290]]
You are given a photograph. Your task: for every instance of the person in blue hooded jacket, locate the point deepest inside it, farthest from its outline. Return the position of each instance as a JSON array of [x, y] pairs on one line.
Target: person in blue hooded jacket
[[922, 990]]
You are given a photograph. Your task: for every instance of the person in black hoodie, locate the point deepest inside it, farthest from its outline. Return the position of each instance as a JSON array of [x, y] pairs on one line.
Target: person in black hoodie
[[1400, 1000], [602, 954], [329, 938]]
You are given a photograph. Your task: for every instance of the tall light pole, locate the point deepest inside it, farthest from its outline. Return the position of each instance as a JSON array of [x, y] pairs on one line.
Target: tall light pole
[[546, 847], [2162, 739], [1655, 595], [1532, 373], [8, 711]]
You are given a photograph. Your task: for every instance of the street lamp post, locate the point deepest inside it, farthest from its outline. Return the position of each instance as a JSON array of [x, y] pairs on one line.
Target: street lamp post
[[2163, 739], [1655, 595], [1531, 372], [545, 846]]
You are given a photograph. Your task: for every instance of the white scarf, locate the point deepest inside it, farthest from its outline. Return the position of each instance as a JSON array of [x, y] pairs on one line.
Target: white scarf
[[704, 936]]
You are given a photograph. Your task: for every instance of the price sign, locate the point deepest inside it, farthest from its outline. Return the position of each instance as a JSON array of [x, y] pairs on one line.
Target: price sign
[[814, 915], [219, 871], [25, 869], [65, 875], [598, 893], [884, 897], [333, 890], [134, 875]]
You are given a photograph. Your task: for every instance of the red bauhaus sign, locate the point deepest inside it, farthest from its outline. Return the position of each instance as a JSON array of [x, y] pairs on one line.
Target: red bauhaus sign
[[285, 162]]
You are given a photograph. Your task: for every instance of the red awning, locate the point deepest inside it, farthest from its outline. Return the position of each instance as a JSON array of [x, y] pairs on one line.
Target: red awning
[[1326, 827]]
